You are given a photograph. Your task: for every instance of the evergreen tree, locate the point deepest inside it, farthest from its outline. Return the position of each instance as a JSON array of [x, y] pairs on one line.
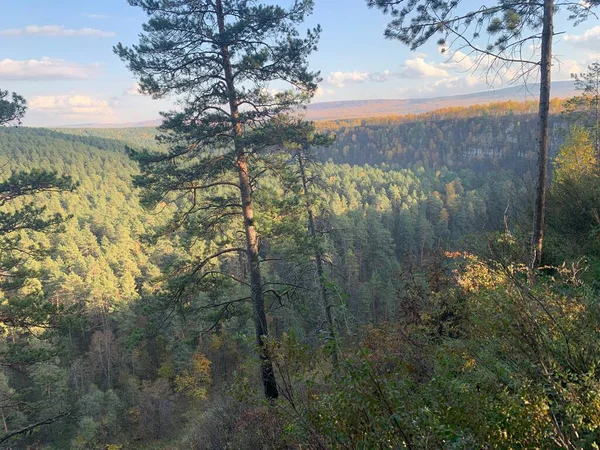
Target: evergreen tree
[[303, 157], [220, 57], [24, 307], [12, 108]]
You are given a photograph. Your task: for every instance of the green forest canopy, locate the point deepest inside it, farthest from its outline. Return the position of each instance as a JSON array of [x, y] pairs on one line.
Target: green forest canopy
[[391, 197]]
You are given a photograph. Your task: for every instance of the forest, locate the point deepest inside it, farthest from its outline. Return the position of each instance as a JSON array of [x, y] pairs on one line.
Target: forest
[[239, 278]]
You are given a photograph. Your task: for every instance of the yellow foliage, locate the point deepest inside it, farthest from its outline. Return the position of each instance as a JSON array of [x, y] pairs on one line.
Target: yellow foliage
[[576, 157], [188, 384], [193, 381], [476, 275], [470, 363], [166, 371], [202, 366]]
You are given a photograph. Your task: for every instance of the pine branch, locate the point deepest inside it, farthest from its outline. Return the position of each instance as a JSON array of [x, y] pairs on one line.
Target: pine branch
[[33, 426]]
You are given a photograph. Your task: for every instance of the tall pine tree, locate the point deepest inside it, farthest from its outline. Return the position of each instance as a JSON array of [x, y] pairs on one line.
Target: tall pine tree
[[233, 65]]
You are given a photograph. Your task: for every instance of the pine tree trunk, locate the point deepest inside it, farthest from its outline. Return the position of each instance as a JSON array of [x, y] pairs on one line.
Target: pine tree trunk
[[597, 114], [256, 284], [4, 421], [544, 110], [319, 264]]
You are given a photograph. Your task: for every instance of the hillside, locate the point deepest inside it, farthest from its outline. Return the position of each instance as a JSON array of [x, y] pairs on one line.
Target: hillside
[[495, 135], [211, 255], [403, 205], [102, 265], [375, 108]]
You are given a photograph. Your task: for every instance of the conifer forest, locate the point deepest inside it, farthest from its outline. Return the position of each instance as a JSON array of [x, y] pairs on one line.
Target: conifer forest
[[240, 277]]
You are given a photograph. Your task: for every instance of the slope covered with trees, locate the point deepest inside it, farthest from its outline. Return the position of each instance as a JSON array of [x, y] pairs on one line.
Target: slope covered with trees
[[421, 327], [497, 135], [107, 365], [250, 280]]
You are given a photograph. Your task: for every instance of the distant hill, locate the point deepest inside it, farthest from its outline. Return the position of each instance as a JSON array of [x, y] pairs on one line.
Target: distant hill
[[498, 135], [357, 109], [142, 124]]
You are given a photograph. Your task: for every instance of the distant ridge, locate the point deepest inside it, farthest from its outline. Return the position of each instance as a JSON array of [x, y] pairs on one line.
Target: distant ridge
[[145, 123], [358, 109]]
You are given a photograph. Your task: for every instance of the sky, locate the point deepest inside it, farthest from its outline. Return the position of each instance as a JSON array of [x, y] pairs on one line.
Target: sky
[[58, 55]]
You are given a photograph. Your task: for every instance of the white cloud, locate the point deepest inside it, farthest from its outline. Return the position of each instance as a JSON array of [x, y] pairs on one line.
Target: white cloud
[[562, 69], [44, 69], [133, 90], [454, 85], [380, 77], [54, 30], [589, 37], [340, 79], [592, 57], [321, 92], [96, 16], [459, 61], [74, 106], [419, 68]]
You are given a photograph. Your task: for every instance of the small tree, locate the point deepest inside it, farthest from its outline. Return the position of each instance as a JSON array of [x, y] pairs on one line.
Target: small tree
[[576, 157], [512, 27], [220, 57], [302, 145], [584, 109]]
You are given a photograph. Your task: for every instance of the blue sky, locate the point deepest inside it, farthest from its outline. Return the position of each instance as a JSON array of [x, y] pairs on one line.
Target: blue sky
[[58, 54]]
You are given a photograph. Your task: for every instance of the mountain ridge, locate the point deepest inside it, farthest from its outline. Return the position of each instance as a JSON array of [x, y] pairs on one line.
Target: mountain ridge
[[358, 109]]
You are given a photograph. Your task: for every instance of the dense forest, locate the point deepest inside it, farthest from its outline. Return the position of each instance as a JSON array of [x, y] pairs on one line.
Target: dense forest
[[399, 244], [497, 135], [242, 279]]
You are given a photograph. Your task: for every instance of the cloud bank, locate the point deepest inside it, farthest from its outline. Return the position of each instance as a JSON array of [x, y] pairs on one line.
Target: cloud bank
[[55, 30], [80, 107], [45, 69]]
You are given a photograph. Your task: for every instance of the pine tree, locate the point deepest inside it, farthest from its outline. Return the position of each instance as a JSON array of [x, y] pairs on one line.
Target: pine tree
[[24, 307], [302, 147], [221, 57], [12, 108]]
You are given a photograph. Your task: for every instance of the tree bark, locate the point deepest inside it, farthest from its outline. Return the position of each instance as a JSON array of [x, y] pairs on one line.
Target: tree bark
[[319, 264], [256, 284], [544, 110], [596, 114]]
